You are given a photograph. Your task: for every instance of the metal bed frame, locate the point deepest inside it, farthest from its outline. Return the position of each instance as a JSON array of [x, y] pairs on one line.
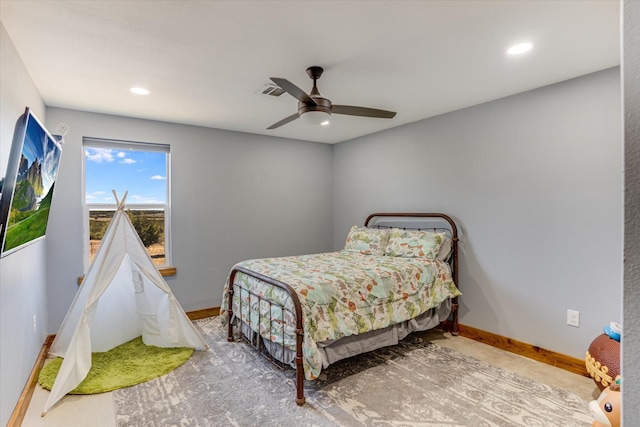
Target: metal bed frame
[[451, 325]]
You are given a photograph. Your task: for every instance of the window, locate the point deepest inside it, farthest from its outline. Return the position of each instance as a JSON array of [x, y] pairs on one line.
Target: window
[[142, 170]]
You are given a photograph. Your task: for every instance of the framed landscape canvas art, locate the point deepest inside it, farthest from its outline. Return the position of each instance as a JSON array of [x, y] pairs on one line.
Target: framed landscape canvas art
[[28, 185]]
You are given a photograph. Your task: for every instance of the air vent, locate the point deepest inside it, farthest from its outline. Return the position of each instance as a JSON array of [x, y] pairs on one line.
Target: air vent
[[272, 90]]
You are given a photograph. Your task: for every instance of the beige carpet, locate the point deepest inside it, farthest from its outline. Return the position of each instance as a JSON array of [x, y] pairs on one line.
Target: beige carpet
[[413, 383]]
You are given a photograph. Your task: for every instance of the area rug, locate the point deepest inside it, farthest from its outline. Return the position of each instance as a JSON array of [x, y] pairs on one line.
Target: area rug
[[414, 383], [123, 366]]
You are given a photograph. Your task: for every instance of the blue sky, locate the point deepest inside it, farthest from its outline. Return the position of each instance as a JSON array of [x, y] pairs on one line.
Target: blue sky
[[37, 145], [141, 173]]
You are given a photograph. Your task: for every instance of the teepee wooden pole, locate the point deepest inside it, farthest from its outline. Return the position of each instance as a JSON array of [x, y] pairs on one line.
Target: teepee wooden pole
[[120, 203]]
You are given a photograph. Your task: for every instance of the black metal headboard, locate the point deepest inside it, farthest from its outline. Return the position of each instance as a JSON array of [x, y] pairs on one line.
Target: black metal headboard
[[437, 222]]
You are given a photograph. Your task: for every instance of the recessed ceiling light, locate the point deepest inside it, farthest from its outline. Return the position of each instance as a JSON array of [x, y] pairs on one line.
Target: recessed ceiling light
[[325, 123], [139, 91], [519, 48]]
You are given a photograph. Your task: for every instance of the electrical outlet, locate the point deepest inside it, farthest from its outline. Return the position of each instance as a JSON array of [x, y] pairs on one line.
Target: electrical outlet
[[62, 129], [573, 318], [35, 322]]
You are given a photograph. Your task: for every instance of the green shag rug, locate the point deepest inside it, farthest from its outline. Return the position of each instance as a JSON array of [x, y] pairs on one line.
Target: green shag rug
[[128, 364]]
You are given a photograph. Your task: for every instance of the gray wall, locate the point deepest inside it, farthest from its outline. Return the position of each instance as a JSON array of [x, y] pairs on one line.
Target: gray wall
[[234, 196], [535, 182], [23, 279], [631, 341]]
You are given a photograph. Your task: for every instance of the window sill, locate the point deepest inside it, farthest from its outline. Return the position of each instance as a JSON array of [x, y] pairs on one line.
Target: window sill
[[164, 271]]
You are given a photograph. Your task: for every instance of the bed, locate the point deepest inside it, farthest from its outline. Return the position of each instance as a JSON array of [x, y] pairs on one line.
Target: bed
[[395, 275]]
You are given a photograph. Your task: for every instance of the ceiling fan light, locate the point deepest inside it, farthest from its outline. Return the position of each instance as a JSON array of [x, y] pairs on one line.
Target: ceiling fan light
[[316, 118]]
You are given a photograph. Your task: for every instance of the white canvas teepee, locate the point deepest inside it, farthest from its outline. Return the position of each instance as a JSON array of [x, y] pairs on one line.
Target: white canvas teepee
[[122, 297]]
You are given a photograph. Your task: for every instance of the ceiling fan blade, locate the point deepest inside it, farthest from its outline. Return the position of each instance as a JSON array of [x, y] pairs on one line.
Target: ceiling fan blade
[[293, 90], [284, 121], [350, 110]]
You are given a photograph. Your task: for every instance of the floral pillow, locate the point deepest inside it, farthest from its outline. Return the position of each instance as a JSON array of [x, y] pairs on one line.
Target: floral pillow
[[368, 241], [414, 243]]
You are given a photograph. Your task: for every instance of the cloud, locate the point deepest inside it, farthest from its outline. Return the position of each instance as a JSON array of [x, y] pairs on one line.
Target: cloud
[[94, 195], [99, 155], [50, 164], [125, 160], [158, 177], [145, 200]]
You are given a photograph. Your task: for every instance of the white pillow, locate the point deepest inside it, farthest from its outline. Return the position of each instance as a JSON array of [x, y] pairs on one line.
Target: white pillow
[[446, 249]]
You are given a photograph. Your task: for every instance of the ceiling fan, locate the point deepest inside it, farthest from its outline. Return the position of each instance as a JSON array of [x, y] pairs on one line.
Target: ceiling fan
[[316, 109]]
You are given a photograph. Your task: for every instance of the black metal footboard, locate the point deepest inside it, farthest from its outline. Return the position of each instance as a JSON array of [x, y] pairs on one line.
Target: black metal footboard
[[297, 315]]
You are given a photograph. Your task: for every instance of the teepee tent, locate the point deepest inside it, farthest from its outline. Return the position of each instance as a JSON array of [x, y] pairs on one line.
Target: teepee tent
[[122, 297]]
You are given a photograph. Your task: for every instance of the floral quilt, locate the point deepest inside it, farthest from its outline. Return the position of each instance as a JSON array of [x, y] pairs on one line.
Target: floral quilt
[[342, 293]]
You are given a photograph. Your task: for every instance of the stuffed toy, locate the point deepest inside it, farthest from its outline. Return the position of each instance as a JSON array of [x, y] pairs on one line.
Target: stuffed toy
[[602, 360], [606, 410]]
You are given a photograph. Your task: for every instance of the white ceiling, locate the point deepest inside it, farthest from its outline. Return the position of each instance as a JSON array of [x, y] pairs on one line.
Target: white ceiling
[[205, 61]]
